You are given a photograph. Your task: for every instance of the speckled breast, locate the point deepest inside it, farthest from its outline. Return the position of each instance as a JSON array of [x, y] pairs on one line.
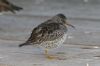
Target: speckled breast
[[53, 44]]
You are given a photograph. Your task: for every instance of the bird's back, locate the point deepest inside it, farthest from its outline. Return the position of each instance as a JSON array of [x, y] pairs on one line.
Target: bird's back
[[47, 31]]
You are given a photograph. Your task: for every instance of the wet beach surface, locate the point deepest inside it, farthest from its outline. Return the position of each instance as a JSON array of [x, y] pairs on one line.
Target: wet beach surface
[[81, 47]]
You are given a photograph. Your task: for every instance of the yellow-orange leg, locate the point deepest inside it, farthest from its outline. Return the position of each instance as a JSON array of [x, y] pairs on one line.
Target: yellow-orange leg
[[47, 55], [50, 56]]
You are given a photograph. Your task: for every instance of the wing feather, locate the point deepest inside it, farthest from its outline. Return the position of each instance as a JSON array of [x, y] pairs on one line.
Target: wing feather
[[47, 32]]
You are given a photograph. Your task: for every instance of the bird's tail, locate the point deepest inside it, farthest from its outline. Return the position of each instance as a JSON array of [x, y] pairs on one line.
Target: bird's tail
[[14, 8], [24, 44], [17, 8]]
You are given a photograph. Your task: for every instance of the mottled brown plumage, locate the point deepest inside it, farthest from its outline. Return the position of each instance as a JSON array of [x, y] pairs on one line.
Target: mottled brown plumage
[[50, 34], [7, 6]]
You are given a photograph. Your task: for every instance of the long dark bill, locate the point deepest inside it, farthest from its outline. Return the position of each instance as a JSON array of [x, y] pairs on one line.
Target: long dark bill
[[71, 26]]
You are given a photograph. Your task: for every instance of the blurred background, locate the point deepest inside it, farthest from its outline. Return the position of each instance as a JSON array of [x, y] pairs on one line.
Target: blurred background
[[83, 14], [81, 48]]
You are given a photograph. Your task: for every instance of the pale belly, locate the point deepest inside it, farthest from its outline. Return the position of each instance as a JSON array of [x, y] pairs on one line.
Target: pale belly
[[53, 44]]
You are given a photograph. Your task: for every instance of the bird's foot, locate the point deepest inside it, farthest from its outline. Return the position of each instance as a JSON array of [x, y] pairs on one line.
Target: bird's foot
[[51, 57]]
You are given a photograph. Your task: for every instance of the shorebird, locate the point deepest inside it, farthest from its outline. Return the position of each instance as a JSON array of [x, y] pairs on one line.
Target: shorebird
[[49, 34], [7, 6]]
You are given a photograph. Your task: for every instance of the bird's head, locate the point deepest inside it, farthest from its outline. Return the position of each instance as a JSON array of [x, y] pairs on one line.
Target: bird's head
[[64, 20]]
